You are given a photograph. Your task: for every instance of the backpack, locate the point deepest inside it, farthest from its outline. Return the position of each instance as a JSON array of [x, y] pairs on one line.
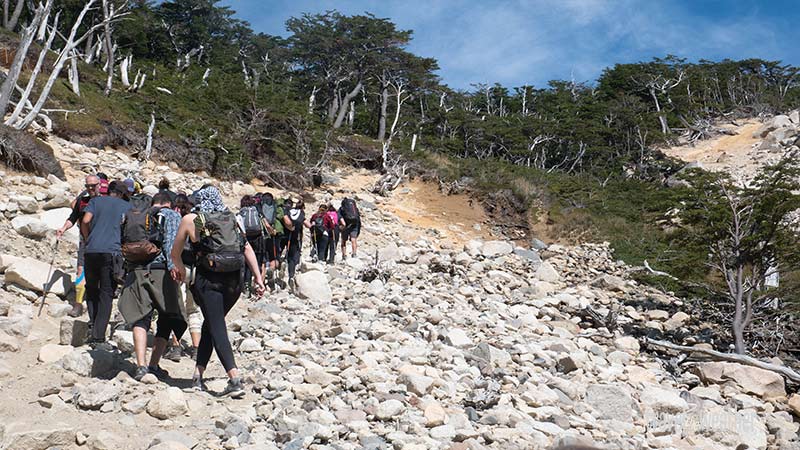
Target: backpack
[[140, 201], [277, 223], [220, 244], [349, 210], [251, 220], [319, 224], [142, 236]]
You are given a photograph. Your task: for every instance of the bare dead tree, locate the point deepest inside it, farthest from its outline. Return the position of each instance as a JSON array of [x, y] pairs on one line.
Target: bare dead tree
[[73, 76], [124, 71], [28, 34], [71, 43], [148, 149], [346, 101], [10, 22]]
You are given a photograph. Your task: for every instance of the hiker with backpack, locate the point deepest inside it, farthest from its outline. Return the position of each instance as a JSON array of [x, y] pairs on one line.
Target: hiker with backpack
[[321, 225], [221, 250], [272, 214], [163, 186], [101, 229], [91, 189], [333, 241], [294, 222], [184, 206], [250, 218], [148, 234], [350, 225]]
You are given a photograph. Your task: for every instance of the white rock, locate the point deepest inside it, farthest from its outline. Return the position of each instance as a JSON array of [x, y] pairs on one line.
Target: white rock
[[389, 409], [167, 404], [250, 345], [29, 226], [663, 400], [97, 394], [32, 274], [50, 353], [457, 338], [313, 285], [492, 249], [546, 272]]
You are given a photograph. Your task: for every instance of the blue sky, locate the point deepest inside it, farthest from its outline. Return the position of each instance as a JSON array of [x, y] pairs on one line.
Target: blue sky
[[518, 42]]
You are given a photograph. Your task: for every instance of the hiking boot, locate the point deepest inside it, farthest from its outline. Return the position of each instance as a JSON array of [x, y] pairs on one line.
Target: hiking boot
[[234, 389], [158, 372], [140, 372], [173, 354], [77, 310], [198, 384], [271, 279]]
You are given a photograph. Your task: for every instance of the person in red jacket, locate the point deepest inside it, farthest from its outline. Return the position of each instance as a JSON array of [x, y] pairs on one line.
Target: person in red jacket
[[321, 225]]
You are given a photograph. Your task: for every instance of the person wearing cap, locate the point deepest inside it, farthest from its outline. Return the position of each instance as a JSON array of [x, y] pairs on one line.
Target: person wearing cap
[[91, 189], [101, 229]]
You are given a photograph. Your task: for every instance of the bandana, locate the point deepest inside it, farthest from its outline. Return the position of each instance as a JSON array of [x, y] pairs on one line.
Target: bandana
[[208, 199]]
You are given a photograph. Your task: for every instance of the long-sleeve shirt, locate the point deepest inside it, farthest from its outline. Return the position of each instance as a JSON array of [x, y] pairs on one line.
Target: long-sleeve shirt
[[170, 221]]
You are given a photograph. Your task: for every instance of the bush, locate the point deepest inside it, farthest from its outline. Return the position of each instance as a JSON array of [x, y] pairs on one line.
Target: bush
[[22, 151]]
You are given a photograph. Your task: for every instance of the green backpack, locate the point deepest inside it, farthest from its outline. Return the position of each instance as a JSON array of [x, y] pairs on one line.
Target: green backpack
[[277, 224], [220, 243]]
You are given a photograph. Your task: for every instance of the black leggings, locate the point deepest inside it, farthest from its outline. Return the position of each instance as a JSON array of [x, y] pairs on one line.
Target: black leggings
[[215, 293], [293, 257], [100, 286]]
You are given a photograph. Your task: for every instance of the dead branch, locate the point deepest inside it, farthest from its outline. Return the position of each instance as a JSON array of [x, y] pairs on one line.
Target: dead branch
[[787, 372]]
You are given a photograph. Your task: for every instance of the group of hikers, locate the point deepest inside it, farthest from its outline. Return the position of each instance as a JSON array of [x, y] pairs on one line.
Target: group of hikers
[[184, 260]]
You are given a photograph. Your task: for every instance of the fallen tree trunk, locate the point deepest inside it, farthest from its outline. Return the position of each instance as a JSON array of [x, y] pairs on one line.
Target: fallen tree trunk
[[787, 372]]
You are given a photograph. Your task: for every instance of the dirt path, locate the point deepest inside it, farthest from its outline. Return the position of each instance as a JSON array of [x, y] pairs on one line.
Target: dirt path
[[724, 153]]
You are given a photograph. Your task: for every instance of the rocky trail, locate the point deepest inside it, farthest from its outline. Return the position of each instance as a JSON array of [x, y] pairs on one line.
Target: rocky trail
[[455, 339]]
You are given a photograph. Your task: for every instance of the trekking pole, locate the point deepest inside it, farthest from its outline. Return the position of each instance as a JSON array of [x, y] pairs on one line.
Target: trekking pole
[[48, 283]]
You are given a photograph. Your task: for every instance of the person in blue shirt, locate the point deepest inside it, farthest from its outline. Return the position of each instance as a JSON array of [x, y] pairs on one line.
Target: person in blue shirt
[[101, 230], [148, 288]]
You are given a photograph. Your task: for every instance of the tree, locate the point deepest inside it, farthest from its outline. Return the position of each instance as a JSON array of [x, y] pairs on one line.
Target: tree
[[751, 232]]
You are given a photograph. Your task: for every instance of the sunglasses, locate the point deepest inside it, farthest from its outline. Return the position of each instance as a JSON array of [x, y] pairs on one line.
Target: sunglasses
[[91, 186]]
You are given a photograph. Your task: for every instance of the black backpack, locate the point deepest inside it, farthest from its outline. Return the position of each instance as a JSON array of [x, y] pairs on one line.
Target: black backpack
[[140, 201], [251, 219], [349, 210], [220, 245], [142, 235]]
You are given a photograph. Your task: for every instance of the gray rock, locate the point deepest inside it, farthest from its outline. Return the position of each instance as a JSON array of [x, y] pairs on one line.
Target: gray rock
[[537, 244], [167, 404], [16, 325], [29, 226], [104, 441], [88, 363], [73, 332], [58, 310], [8, 343], [493, 249], [530, 255], [40, 437], [389, 409], [457, 338], [27, 205], [763, 383], [50, 353], [95, 395], [250, 345], [546, 272], [662, 400], [174, 436], [32, 274], [124, 340], [610, 402]]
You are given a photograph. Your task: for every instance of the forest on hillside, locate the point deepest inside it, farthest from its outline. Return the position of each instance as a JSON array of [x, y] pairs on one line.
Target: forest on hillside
[[250, 100]]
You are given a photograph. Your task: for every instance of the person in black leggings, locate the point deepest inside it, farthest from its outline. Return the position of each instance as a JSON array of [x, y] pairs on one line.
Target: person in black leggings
[[215, 293]]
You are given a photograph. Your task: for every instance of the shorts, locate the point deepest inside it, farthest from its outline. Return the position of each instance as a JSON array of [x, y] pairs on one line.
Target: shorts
[[352, 229], [148, 290]]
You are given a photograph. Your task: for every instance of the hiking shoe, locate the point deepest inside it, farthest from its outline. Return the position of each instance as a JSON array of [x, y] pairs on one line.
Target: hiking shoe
[[173, 354], [234, 389], [158, 372], [77, 310], [140, 372], [271, 279], [198, 384]]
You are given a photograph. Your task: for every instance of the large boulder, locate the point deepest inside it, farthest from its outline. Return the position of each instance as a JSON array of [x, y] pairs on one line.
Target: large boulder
[[88, 363], [73, 332], [26, 204], [610, 402], [313, 285], [50, 353], [492, 249], [7, 260], [167, 404], [726, 427], [29, 226], [32, 274], [41, 437], [53, 219], [752, 380], [97, 394]]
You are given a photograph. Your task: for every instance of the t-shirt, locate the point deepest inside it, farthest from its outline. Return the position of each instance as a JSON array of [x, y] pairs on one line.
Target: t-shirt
[[105, 228]]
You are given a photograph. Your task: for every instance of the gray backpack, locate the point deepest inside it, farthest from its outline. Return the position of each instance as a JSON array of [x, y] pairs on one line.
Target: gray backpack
[[220, 244]]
